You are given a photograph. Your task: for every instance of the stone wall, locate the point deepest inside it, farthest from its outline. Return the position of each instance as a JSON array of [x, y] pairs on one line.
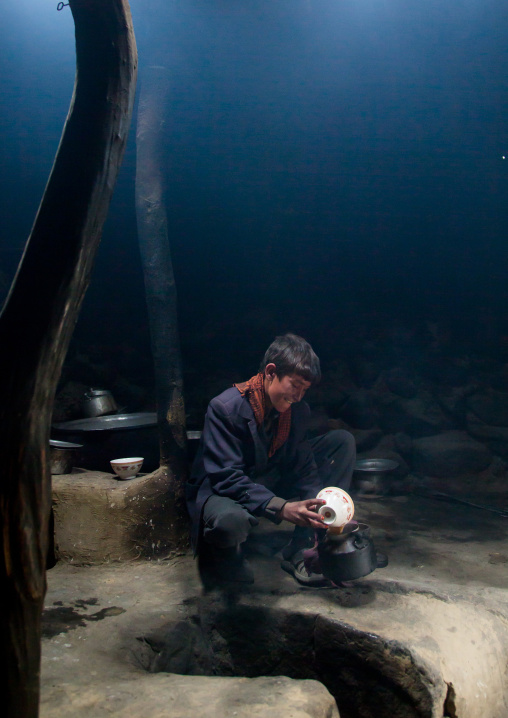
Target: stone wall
[[444, 419]]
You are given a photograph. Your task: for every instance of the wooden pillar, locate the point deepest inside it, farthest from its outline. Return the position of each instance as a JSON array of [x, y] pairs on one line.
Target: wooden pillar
[[38, 319], [160, 288]]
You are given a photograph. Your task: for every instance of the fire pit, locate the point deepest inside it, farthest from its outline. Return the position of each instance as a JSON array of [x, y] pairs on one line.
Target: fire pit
[[366, 675]]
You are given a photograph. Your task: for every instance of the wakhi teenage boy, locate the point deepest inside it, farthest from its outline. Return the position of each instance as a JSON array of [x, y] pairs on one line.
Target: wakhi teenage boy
[[255, 460]]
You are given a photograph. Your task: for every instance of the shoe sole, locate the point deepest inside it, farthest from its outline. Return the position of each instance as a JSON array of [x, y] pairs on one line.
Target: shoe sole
[[314, 580]]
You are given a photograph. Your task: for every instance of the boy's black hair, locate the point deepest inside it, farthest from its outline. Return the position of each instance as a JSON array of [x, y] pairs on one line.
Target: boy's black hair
[[291, 354]]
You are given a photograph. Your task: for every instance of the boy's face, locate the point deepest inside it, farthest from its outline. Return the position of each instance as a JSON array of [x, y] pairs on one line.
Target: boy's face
[[285, 391]]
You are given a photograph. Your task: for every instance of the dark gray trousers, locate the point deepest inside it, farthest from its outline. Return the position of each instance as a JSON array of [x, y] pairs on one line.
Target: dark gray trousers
[[226, 523]]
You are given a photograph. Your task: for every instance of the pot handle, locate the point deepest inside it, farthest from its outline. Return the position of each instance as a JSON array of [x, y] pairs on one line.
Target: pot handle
[[382, 560]]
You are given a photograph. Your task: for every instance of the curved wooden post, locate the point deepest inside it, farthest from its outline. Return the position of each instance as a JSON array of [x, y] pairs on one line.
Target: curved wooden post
[[38, 319]]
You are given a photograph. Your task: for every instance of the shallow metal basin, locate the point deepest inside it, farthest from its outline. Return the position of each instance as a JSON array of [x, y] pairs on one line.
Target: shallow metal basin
[[64, 444], [113, 422]]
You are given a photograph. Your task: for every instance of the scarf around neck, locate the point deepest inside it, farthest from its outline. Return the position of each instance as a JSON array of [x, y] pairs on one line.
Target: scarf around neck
[[254, 390]]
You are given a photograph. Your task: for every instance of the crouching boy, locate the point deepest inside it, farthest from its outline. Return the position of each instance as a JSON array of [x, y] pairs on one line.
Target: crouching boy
[[255, 460]]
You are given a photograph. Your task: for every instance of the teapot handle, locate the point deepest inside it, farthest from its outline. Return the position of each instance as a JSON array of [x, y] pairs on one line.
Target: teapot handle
[[89, 394]]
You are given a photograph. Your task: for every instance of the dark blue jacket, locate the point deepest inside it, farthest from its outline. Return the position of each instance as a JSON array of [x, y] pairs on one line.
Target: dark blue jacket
[[232, 460]]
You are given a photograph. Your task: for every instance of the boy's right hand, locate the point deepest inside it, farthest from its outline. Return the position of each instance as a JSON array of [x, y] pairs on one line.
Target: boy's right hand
[[303, 513]]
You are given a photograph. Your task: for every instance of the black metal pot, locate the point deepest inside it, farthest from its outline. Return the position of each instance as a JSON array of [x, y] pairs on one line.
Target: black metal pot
[[62, 456], [372, 476], [349, 555]]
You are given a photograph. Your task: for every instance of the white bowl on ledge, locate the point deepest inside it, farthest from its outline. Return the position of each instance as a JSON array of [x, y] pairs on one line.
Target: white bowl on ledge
[[127, 468]]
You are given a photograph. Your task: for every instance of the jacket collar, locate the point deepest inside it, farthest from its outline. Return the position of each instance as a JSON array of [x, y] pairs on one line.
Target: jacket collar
[[261, 450]]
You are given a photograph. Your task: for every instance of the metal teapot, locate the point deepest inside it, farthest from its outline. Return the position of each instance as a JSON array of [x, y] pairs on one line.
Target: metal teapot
[[98, 402], [349, 555]]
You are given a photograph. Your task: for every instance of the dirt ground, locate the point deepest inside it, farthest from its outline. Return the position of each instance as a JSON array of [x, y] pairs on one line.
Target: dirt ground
[[448, 568]]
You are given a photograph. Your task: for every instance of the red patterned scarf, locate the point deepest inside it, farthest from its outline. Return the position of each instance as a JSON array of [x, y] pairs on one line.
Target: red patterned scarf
[[254, 390]]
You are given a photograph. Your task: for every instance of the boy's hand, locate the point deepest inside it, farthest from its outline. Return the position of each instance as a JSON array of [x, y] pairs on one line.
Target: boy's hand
[[303, 513]]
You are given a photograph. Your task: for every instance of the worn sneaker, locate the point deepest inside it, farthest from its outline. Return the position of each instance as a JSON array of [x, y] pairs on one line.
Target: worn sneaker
[[303, 569]]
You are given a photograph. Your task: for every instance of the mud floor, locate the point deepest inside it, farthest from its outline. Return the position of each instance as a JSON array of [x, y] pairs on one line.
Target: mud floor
[[425, 636]]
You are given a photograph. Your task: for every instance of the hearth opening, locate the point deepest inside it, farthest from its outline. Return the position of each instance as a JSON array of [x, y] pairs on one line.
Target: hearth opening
[[367, 676]]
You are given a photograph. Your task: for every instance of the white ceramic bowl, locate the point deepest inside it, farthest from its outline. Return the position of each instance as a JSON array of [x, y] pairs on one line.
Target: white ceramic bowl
[[127, 468], [339, 508]]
